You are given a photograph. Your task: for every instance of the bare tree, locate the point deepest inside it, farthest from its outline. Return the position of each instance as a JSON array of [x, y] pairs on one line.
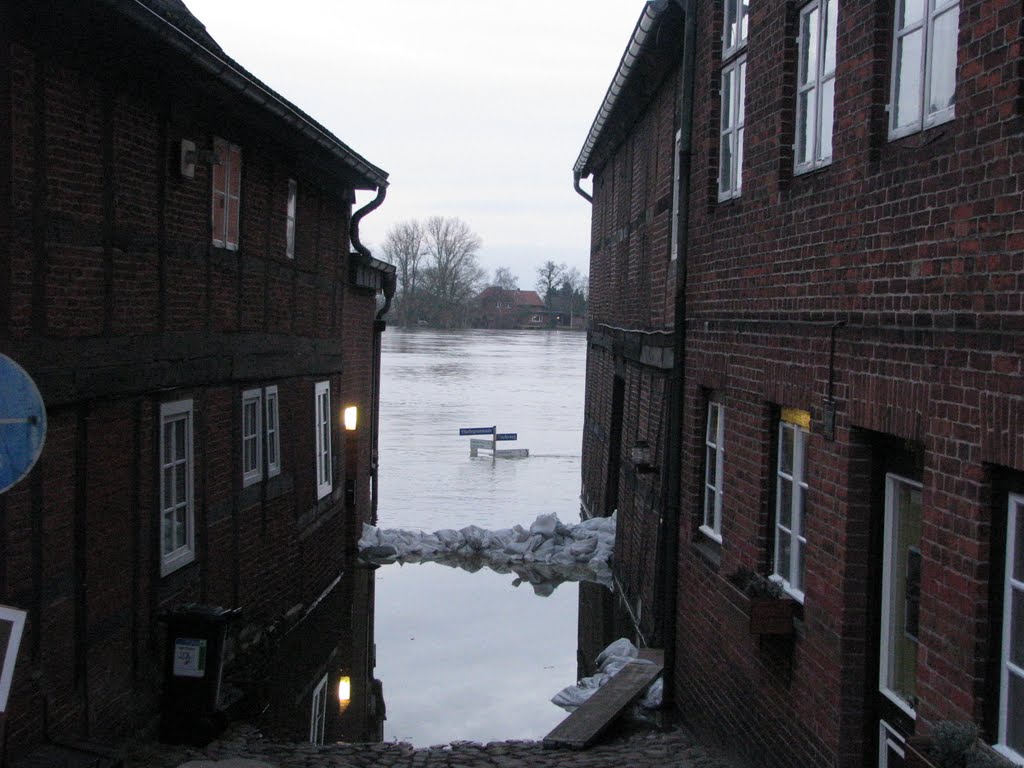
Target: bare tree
[[453, 275], [549, 277], [404, 247], [504, 279]]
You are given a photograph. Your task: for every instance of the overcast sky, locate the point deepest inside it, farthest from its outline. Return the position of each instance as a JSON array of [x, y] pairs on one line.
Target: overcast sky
[[476, 108]]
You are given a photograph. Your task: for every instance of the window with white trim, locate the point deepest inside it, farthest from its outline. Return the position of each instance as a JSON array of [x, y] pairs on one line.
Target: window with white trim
[[273, 431], [322, 393], [227, 186], [816, 80], [318, 713], [901, 592], [675, 198], [177, 472], [734, 29], [1011, 685], [714, 456], [290, 229], [252, 437], [891, 746], [923, 65], [730, 167], [790, 501]]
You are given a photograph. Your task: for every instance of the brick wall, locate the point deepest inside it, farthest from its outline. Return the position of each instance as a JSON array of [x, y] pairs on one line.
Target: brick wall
[[906, 257], [117, 303]]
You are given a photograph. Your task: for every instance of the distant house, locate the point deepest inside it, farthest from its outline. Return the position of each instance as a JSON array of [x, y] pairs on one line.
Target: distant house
[[181, 274], [503, 308]]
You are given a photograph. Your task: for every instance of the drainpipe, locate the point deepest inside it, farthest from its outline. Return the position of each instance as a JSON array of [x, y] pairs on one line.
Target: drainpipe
[[379, 325], [670, 523], [582, 192]]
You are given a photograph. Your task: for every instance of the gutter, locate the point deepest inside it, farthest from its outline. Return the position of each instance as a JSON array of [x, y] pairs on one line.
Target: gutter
[[247, 86], [670, 523], [576, 185]]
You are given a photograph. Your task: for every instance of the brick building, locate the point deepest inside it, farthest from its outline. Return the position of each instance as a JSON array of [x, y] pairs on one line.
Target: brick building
[[805, 360], [177, 275]]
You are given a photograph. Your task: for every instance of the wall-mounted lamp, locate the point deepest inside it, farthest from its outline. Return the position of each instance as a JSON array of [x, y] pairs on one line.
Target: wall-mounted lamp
[[344, 690], [643, 458], [351, 418]]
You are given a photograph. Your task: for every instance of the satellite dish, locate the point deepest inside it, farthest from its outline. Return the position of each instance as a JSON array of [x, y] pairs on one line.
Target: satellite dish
[[22, 423]]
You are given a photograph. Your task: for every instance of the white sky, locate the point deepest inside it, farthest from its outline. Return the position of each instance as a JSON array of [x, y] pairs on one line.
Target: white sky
[[476, 108]]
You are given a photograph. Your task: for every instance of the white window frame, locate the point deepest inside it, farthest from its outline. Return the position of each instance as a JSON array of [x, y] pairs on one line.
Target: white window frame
[[318, 713], [889, 737], [733, 122], [922, 118], [675, 198], [170, 414], [794, 585], [252, 473], [810, 125], [890, 528], [293, 188], [739, 10], [322, 425], [272, 422], [714, 451], [1013, 595]]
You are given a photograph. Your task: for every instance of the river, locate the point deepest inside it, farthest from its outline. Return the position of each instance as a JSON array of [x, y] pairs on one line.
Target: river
[[460, 655]]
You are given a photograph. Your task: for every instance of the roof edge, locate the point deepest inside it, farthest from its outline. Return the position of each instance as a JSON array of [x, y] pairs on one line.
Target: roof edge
[[247, 85]]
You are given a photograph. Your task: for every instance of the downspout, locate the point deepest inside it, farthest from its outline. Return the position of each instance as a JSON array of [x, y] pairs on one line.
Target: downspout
[[576, 185], [670, 530], [378, 329]]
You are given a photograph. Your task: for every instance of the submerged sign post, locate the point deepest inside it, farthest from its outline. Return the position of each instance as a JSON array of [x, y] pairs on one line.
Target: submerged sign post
[[491, 445]]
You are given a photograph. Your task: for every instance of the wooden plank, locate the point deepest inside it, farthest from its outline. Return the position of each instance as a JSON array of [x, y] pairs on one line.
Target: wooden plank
[[582, 727]]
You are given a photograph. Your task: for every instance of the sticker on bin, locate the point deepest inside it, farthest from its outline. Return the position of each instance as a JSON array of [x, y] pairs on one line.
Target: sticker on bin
[[189, 657]]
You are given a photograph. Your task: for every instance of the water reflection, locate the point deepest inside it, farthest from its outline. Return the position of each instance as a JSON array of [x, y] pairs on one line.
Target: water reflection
[[295, 688]]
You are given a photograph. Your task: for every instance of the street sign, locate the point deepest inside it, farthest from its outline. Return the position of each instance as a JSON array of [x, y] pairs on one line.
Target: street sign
[[474, 443], [22, 423], [477, 430], [506, 436]]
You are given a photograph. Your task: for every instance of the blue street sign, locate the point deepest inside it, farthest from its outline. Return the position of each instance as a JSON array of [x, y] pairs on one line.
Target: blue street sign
[[477, 431], [506, 436], [22, 423]]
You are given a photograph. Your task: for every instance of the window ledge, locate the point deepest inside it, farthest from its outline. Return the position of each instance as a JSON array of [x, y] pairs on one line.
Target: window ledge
[[708, 550]]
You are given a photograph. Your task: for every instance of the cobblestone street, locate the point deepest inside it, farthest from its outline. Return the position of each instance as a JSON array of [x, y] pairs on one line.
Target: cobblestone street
[[243, 747]]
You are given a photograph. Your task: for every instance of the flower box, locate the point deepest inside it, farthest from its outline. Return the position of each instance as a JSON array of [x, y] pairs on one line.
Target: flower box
[[764, 615], [915, 752]]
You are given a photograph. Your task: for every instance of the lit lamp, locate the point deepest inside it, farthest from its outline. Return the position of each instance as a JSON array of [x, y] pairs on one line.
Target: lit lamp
[[351, 418], [344, 690], [642, 458]]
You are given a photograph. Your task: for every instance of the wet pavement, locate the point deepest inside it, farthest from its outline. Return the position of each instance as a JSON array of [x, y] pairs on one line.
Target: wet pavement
[[243, 747]]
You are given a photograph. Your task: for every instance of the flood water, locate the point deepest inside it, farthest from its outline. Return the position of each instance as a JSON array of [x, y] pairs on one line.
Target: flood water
[[471, 655]]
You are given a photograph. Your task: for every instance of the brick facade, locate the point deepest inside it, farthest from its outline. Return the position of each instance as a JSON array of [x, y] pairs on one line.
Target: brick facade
[[886, 285], [114, 299]]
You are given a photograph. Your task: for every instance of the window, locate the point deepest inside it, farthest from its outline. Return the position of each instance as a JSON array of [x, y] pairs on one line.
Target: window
[[891, 747], [1011, 687], [177, 513], [734, 30], [734, 86], [714, 454], [323, 438], [318, 715], [790, 495], [252, 439], [290, 231], [227, 185], [730, 169], [901, 592], [816, 53], [273, 432], [923, 65], [675, 198]]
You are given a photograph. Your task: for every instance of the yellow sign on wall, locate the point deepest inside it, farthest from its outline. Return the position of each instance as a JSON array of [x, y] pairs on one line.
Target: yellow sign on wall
[[796, 416]]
